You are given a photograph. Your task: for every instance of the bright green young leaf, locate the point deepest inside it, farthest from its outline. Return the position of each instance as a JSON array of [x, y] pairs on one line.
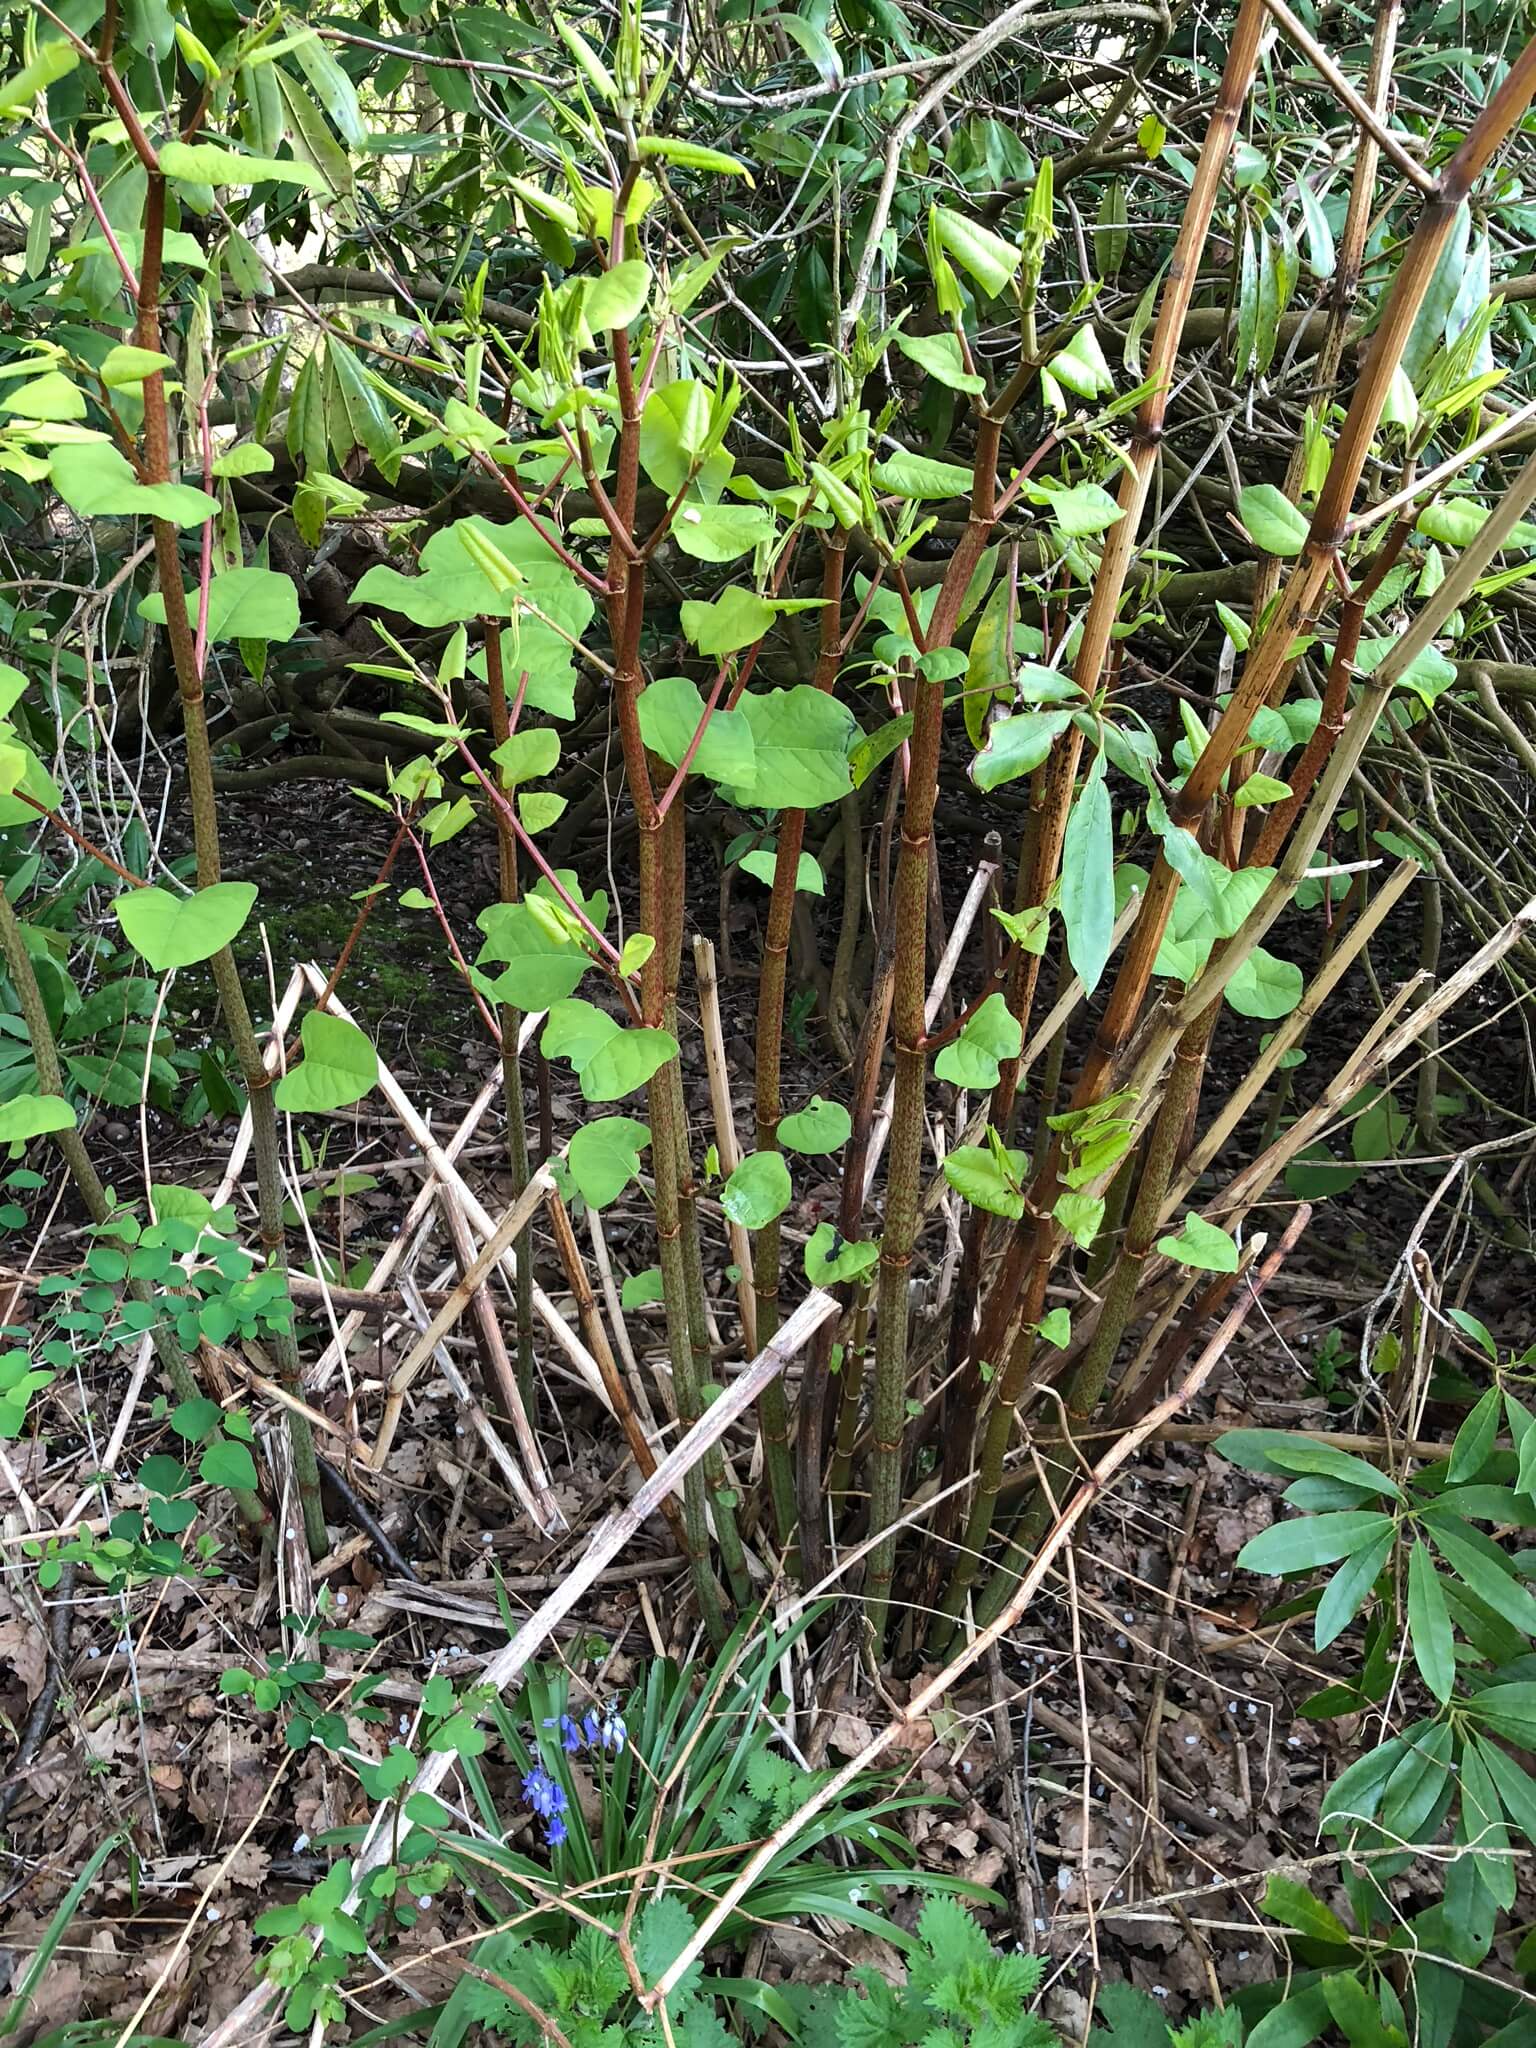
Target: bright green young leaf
[[637, 949], [1265, 987], [640, 1288], [626, 1062], [993, 1034], [617, 296], [243, 604], [95, 481], [206, 163], [1017, 746], [762, 864], [938, 356], [540, 965], [991, 260], [1202, 1245], [54, 60], [32, 1116], [526, 755], [671, 709], [338, 1068], [986, 1180], [830, 1257], [758, 1191], [801, 738], [724, 624], [1087, 898], [1272, 521], [126, 365], [821, 1126], [53, 396], [178, 931], [720, 533], [1080, 1215], [604, 1157], [920, 476]]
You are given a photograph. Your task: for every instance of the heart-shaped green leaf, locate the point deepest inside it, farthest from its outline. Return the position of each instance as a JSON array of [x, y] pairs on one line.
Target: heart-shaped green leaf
[[178, 931], [338, 1068]]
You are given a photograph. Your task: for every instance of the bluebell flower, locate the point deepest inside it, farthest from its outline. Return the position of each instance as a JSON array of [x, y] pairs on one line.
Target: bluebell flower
[[571, 1738], [613, 1731], [542, 1793], [554, 1831], [591, 1727]]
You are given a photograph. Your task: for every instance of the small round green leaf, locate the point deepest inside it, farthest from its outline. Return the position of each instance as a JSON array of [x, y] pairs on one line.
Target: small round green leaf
[[758, 1191], [821, 1126]]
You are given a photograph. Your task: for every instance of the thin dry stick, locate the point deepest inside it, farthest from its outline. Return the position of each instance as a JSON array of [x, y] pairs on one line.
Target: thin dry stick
[[1246, 1188], [239, 2028], [707, 982], [323, 1371], [597, 1343], [928, 1694], [474, 1208], [493, 1346], [473, 1278], [495, 1446]]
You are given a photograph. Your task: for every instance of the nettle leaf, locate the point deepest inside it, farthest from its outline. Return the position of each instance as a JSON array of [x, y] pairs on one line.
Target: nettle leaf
[[604, 1157], [32, 1116], [988, 1177], [178, 931], [762, 864], [801, 738], [1201, 1244], [758, 1191], [670, 710], [991, 1035], [243, 604], [338, 1068], [821, 1126], [830, 1257], [95, 481], [1271, 521], [1017, 746]]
